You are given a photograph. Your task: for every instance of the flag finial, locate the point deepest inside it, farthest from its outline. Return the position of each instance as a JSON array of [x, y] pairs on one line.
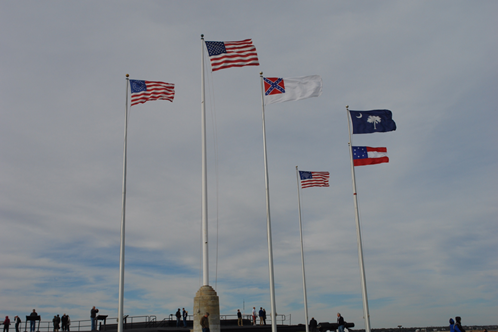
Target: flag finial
[[127, 75]]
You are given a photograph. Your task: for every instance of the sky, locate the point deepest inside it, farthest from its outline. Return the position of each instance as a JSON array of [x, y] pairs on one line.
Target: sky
[[428, 217]]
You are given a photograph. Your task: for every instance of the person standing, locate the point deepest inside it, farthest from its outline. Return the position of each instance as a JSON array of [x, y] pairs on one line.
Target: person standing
[[313, 324], [178, 317], [452, 325], [458, 324], [264, 316], [184, 315], [6, 324], [68, 323], [64, 322], [54, 322], [205, 322], [32, 322], [261, 313], [239, 318], [254, 315], [93, 315], [340, 322], [17, 320]]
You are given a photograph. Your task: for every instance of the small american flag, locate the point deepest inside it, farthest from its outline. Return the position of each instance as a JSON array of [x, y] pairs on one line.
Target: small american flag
[[314, 179], [232, 54], [142, 91]]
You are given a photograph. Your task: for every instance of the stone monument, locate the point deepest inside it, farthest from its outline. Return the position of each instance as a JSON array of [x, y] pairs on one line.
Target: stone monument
[[206, 300]]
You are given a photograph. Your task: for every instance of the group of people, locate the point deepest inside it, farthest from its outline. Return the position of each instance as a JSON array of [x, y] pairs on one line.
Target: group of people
[[33, 317], [179, 315], [341, 324], [6, 323], [261, 314], [64, 320], [17, 321], [456, 327]]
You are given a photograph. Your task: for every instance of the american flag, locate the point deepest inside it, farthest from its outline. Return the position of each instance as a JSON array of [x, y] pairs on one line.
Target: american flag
[[232, 54], [142, 91], [314, 179]]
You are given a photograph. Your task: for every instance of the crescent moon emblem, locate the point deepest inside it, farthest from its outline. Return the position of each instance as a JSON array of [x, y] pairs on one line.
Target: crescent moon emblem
[[359, 117]]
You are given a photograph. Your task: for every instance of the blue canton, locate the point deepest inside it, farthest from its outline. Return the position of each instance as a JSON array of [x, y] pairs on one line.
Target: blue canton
[[305, 175], [215, 48], [360, 152], [273, 86], [137, 86]]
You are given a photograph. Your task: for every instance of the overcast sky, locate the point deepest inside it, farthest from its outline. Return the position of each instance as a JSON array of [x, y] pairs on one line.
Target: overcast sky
[[428, 217]]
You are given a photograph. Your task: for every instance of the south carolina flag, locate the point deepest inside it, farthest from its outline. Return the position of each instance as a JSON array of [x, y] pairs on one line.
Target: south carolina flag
[[366, 155], [278, 90]]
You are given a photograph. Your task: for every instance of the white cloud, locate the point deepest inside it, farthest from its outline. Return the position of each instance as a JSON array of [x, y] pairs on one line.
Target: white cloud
[[427, 217]]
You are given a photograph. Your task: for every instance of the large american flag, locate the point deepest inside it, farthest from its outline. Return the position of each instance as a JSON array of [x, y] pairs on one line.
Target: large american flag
[[232, 54], [314, 179], [142, 91]]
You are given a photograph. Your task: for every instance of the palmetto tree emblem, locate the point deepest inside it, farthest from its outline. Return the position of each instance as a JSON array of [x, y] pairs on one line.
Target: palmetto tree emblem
[[374, 119]]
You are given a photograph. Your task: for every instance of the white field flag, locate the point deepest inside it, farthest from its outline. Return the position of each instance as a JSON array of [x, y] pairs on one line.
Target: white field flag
[[278, 90]]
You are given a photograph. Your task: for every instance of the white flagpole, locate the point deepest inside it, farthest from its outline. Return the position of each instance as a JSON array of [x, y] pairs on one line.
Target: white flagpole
[[205, 256], [268, 219], [122, 246], [358, 233], [302, 253]]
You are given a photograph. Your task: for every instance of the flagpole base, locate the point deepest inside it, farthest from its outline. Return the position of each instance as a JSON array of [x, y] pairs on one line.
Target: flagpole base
[[206, 300]]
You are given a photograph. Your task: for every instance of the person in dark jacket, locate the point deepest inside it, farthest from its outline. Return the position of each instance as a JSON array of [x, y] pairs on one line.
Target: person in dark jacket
[[313, 324], [239, 318], [185, 316], [64, 322], [458, 324], [32, 322], [261, 315], [178, 317], [205, 322], [340, 322], [93, 315]]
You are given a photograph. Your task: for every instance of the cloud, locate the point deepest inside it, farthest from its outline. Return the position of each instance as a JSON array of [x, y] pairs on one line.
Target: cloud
[[427, 217]]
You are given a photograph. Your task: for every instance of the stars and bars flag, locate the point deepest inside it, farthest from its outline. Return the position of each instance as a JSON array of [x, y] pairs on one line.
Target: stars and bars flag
[[142, 91], [367, 155], [314, 179], [278, 89], [232, 54]]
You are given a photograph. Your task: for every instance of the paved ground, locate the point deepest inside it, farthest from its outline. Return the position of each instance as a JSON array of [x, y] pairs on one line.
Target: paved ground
[[229, 328]]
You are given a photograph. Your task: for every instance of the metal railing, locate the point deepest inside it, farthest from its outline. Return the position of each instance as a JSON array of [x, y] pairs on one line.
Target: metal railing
[[86, 324], [140, 321], [280, 319]]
